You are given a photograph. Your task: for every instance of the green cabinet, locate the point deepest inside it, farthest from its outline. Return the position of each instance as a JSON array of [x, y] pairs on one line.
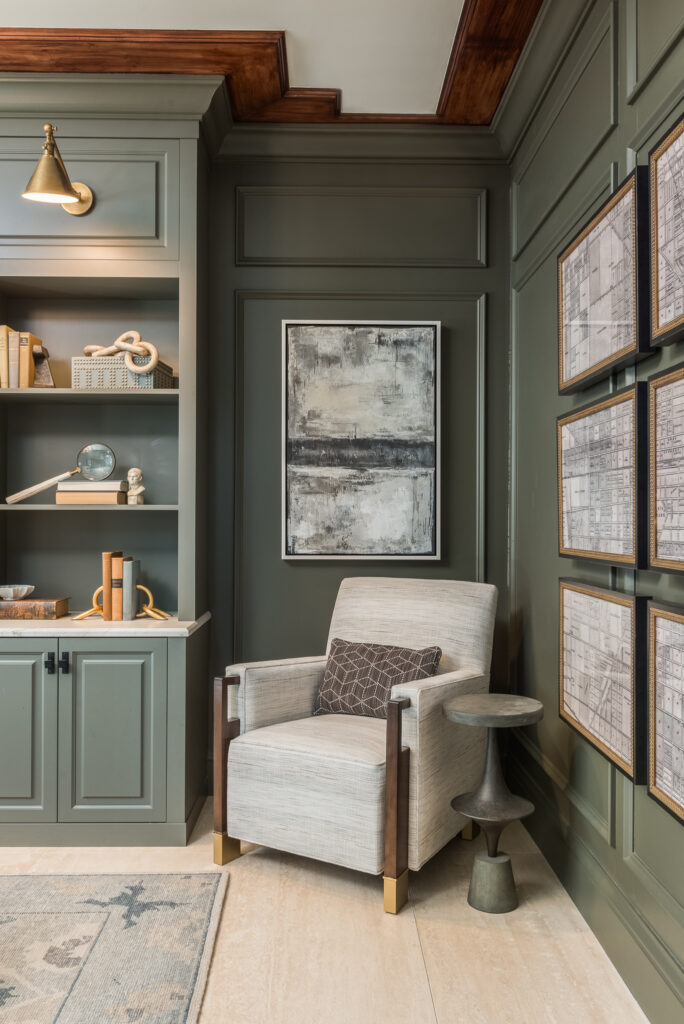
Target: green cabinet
[[112, 730], [28, 731], [83, 726]]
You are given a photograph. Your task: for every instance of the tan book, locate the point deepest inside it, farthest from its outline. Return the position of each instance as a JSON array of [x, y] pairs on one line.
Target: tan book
[[35, 608], [26, 365], [13, 359], [107, 557], [117, 587], [90, 498], [4, 355]]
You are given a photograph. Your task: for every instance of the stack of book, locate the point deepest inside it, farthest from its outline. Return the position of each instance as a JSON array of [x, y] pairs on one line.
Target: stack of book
[[78, 491], [21, 353], [119, 586]]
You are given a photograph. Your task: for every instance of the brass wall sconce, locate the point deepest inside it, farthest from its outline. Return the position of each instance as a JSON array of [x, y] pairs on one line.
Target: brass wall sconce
[[50, 181]]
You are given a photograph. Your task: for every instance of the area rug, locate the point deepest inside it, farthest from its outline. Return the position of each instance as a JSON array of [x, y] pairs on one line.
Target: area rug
[[95, 949]]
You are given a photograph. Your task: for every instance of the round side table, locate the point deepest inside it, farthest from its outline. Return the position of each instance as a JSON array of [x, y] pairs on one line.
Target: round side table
[[492, 805]]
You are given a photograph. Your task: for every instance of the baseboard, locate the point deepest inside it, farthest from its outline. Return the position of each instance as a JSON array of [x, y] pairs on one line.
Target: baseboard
[[648, 967], [97, 834]]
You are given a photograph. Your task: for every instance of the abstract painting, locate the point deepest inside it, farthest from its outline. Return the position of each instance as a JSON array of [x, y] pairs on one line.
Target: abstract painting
[[361, 439]]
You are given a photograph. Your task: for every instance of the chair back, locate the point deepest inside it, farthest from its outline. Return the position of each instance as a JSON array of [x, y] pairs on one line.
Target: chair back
[[456, 616]]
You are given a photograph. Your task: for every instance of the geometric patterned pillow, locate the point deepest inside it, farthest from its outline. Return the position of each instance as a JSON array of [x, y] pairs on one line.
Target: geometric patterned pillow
[[359, 677]]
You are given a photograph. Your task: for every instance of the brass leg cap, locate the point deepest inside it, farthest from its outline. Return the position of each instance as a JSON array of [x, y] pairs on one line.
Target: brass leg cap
[[470, 831], [395, 892], [225, 848]]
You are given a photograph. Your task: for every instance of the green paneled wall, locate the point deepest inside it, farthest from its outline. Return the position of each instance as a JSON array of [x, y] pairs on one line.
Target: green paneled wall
[[611, 93], [297, 238]]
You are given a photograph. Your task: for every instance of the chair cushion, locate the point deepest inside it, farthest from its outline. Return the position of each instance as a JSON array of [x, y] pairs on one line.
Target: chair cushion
[[314, 787], [359, 676]]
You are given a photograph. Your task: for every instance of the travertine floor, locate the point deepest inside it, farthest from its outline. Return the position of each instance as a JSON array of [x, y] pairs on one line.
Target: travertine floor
[[309, 943]]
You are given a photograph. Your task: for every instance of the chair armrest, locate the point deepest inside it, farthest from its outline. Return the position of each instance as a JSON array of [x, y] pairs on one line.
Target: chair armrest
[[269, 692], [446, 759]]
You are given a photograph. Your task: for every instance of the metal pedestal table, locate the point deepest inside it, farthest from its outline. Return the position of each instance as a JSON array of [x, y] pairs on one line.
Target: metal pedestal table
[[492, 805]]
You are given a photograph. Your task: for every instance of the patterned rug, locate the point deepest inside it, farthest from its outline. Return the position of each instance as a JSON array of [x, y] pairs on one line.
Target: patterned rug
[[95, 949]]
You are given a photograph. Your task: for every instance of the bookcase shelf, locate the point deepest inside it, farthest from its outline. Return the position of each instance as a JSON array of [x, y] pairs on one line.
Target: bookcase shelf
[[89, 396], [87, 508]]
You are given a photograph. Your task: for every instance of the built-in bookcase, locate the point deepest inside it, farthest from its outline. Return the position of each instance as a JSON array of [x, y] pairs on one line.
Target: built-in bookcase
[[58, 547]]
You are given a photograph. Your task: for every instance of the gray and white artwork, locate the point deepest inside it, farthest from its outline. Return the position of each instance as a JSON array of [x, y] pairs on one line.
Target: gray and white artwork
[[666, 710], [360, 440]]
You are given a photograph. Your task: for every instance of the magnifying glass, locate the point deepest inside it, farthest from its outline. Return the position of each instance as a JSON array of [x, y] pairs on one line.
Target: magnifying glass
[[93, 462]]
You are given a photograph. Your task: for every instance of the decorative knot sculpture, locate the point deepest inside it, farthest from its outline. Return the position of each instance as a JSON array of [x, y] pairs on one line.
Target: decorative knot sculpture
[[123, 347]]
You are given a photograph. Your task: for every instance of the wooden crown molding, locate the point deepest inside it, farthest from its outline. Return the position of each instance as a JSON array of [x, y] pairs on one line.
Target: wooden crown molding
[[490, 36]]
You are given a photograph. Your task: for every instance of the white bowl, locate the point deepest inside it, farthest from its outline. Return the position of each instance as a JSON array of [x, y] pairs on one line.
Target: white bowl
[[14, 591]]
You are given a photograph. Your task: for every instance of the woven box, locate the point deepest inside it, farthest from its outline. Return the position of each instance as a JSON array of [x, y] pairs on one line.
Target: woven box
[[111, 373]]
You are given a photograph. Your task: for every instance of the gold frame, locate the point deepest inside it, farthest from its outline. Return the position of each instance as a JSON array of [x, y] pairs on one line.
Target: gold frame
[[672, 136], [628, 394], [627, 602], [563, 385], [660, 380], [665, 799]]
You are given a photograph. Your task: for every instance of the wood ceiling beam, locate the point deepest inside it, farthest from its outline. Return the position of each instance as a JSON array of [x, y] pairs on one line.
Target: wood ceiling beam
[[490, 36]]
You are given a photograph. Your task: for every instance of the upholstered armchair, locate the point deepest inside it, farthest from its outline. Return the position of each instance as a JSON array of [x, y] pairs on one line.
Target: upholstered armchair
[[366, 793]]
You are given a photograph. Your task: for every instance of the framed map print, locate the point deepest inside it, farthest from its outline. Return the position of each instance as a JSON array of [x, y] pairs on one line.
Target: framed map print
[[666, 707], [601, 672], [603, 289], [361, 440], [666, 163], [601, 479], [666, 470]]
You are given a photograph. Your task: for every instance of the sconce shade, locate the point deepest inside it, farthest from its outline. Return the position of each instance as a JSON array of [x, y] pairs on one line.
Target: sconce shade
[[50, 182]]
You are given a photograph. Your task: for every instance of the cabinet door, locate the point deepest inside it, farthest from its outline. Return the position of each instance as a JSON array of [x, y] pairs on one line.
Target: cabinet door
[[112, 730], [28, 732]]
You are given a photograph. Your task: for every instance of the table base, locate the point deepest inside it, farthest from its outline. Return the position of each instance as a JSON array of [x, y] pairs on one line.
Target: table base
[[492, 888]]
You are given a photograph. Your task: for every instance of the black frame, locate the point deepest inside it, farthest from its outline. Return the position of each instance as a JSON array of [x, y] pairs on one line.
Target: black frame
[[638, 673], [655, 563], [638, 560], [676, 614], [640, 346], [665, 335]]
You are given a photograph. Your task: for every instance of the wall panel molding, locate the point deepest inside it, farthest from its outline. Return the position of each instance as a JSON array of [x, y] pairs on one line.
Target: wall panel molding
[[322, 226], [599, 189], [586, 877], [604, 36], [636, 76], [242, 297], [604, 826]]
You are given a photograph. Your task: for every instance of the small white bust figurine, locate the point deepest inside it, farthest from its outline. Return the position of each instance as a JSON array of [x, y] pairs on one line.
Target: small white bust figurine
[[135, 487]]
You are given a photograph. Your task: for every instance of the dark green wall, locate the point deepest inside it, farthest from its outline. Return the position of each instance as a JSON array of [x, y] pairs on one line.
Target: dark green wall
[[606, 90], [352, 225]]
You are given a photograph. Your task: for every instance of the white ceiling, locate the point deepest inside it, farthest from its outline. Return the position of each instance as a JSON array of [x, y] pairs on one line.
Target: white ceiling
[[387, 56]]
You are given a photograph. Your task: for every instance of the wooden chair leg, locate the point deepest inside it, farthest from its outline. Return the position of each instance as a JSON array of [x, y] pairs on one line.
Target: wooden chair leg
[[395, 878], [225, 729]]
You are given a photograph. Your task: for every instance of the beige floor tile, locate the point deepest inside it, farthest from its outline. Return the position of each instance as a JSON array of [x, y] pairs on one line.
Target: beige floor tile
[[309, 943], [538, 965]]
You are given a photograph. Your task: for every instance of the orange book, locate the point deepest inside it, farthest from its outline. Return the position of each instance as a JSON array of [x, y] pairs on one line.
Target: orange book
[[107, 583], [90, 498], [117, 586]]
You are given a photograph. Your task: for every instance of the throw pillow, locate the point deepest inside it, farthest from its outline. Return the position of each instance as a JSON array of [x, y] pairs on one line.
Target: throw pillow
[[359, 677]]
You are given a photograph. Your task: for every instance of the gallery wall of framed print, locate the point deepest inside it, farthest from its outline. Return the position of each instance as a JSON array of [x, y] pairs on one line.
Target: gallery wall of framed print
[[603, 288], [602, 672], [602, 479], [666, 470], [666, 164], [666, 707], [361, 439]]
